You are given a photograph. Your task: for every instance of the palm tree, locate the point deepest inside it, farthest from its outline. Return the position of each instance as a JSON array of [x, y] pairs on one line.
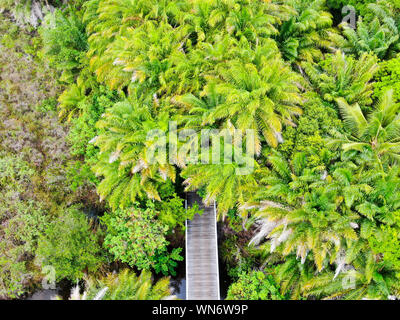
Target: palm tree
[[196, 110], [108, 20], [145, 40], [364, 278], [343, 76], [140, 55], [250, 20], [260, 98], [114, 25], [302, 212], [129, 162], [378, 131], [373, 37], [379, 35], [307, 34], [327, 216], [292, 274], [125, 285], [222, 184], [69, 101]]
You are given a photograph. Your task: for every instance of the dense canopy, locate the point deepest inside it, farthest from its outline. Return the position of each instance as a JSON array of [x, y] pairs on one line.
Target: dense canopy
[[104, 109]]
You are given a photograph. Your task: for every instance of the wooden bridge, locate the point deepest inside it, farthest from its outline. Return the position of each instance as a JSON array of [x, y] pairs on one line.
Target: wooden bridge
[[202, 275]]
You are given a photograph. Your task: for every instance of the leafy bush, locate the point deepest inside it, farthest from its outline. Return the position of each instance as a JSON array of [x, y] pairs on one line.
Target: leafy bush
[[82, 131], [388, 77], [386, 242], [165, 262], [173, 213], [65, 42], [136, 237], [317, 123], [22, 219], [255, 285], [238, 256], [70, 246]]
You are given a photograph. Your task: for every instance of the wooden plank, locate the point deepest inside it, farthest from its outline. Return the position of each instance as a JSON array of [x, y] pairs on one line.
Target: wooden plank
[[202, 275]]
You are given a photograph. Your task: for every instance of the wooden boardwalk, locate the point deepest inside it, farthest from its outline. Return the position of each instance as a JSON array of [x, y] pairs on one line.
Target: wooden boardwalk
[[202, 275]]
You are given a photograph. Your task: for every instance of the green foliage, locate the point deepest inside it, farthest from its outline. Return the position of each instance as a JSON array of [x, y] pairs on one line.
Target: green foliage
[[307, 34], [255, 285], [291, 274], [83, 130], [172, 212], [259, 96], [173, 70], [378, 35], [129, 163], [64, 43], [126, 285], [341, 76], [177, 62], [22, 222], [34, 154], [234, 220], [165, 262], [237, 255], [388, 77], [318, 202], [377, 132], [368, 281], [70, 246], [119, 52], [319, 120], [301, 210], [222, 184], [136, 237], [329, 217], [386, 242]]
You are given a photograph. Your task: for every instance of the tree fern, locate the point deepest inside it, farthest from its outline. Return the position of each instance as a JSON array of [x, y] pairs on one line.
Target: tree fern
[[306, 36], [126, 161], [341, 76]]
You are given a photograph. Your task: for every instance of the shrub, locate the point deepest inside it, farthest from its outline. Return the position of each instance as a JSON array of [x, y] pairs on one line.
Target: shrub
[[65, 42], [70, 246], [255, 285], [137, 237]]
